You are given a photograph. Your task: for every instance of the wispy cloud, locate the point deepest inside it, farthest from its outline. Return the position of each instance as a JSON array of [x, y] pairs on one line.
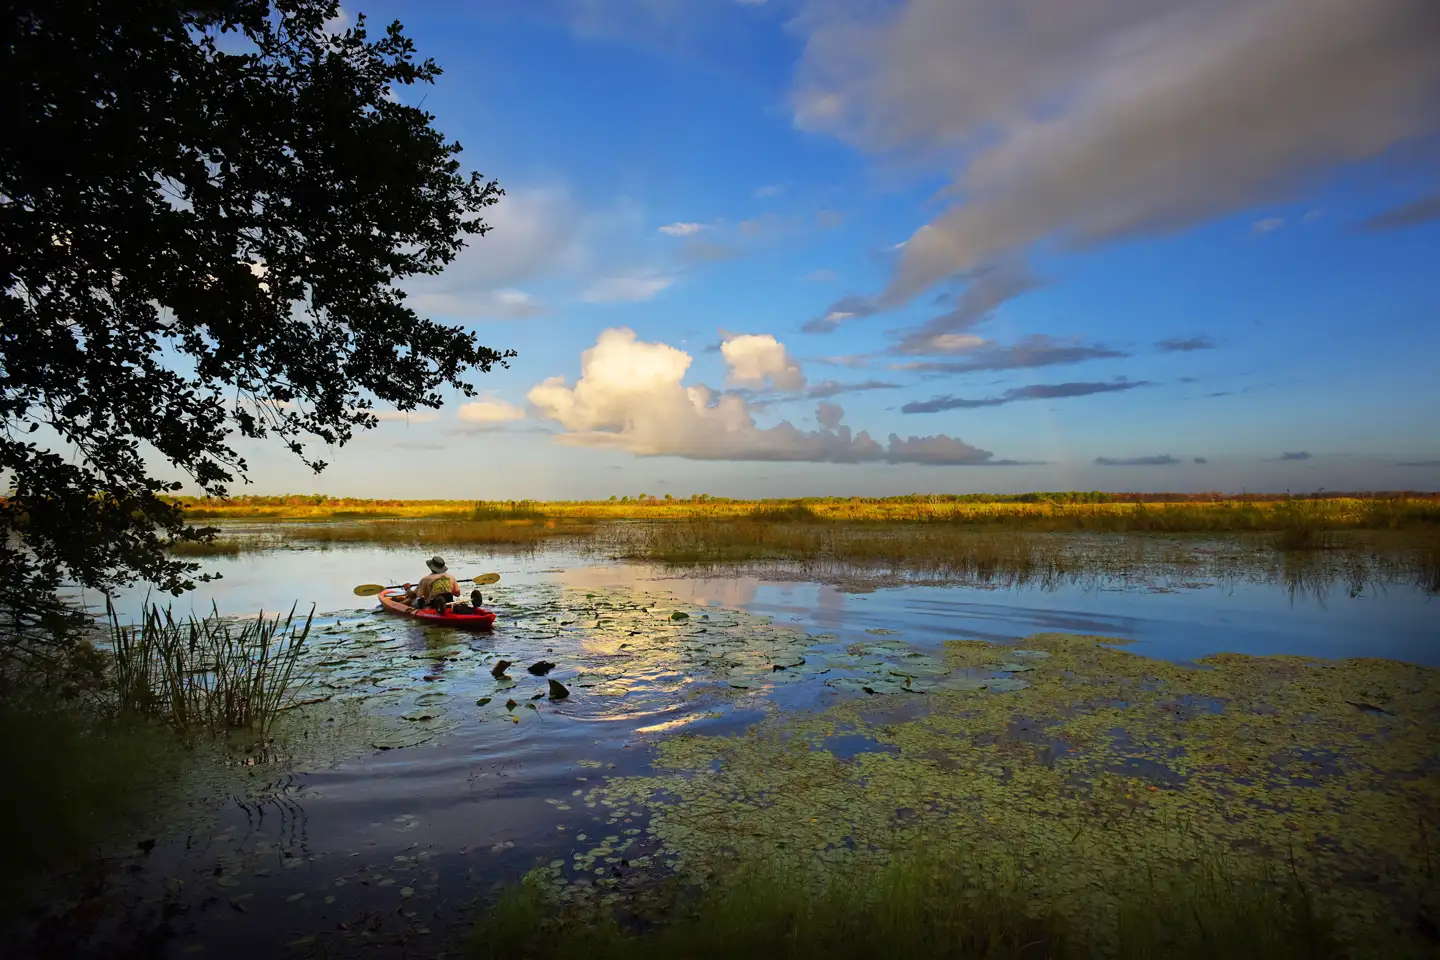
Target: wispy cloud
[[1119, 119], [989, 287], [769, 191], [1296, 455], [1268, 225], [705, 251], [626, 289], [1158, 460], [681, 229], [833, 388], [488, 412], [1039, 391], [1411, 214], [1037, 350], [404, 416], [1185, 344]]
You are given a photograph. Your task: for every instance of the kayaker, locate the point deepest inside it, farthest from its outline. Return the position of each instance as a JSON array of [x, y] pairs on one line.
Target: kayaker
[[437, 589]]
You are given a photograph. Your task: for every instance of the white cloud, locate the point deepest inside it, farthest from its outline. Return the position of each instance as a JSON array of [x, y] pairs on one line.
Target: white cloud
[[760, 361], [490, 412], [1268, 225], [769, 191], [681, 229], [1098, 119], [631, 397], [635, 287]]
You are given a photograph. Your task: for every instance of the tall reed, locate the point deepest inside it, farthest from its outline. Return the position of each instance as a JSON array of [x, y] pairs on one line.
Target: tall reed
[[205, 674]]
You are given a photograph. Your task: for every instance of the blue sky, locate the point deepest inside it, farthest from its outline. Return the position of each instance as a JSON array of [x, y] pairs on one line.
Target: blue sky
[[1130, 246]]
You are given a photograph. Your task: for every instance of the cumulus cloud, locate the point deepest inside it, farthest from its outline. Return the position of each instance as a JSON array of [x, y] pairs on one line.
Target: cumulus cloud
[[1296, 455], [761, 362], [1037, 350], [1039, 391], [626, 289], [681, 229], [1185, 344], [630, 396], [1099, 119], [989, 287], [1159, 460], [490, 412]]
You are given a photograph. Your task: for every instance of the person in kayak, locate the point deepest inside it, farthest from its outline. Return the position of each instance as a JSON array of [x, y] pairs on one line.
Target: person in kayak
[[436, 590]]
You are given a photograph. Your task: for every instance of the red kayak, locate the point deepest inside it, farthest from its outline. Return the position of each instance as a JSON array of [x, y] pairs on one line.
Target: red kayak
[[479, 620]]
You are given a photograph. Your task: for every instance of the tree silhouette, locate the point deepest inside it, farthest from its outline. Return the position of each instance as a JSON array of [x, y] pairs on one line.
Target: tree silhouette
[[205, 210]]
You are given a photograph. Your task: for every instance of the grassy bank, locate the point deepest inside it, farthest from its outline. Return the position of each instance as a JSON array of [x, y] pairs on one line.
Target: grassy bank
[[922, 909]]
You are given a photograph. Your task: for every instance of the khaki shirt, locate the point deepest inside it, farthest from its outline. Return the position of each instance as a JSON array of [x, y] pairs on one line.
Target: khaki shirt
[[433, 583]]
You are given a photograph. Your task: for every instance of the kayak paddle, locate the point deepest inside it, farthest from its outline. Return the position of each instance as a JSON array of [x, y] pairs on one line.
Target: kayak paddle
[[373, 589]]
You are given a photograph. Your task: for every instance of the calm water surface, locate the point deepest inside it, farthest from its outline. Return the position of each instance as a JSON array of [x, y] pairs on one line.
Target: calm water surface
[[399, 837]]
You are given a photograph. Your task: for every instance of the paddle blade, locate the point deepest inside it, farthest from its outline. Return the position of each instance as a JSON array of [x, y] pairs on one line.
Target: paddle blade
[[485, 578], [369, 590]]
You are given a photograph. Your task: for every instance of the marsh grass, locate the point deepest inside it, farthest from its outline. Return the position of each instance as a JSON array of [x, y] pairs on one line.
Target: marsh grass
[[919, 548], [920, 908], [1113, 513], [512, 510], [519, 532], [205, 675], [783, 513]]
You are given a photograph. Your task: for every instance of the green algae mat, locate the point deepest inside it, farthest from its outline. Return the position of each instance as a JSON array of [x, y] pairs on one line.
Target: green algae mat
[[1093, 775]]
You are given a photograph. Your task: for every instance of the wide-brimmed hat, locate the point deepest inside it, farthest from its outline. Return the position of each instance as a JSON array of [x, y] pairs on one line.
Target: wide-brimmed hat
[[436, 565]]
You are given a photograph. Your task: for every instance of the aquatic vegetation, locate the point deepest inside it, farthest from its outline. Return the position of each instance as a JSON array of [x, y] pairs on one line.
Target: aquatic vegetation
[[919, 906], [206, 674], [1104, 771], [523, 533]]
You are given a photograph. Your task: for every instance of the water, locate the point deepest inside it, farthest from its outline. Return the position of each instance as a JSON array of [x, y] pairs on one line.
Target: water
[[390, 846]]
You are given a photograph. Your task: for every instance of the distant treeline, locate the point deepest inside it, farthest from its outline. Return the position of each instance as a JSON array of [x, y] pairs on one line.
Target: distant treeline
[[1057, 497]]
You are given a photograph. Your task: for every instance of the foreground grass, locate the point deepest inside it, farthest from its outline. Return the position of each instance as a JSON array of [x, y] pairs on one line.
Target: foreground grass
[[919, 909], [74, 778]]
